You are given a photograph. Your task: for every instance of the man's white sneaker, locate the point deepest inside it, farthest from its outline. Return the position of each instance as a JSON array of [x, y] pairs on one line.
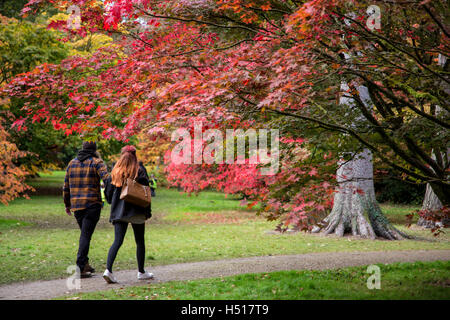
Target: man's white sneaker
[[109, 277], [145, 276]]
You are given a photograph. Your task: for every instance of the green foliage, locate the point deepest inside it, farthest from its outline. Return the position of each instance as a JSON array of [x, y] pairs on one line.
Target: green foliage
[[12, 8], [25, 45], [54, 149], [110, 149], [50, 148], [399, 191]]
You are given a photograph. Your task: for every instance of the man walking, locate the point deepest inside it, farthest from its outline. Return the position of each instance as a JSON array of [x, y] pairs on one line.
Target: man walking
[[82, 195]]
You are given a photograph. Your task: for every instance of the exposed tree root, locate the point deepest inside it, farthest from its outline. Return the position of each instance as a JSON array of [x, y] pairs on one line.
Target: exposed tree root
[[361, 216], [355, 208]]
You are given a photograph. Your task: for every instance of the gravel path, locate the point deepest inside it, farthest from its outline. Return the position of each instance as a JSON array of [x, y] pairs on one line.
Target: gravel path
[[209, 269]]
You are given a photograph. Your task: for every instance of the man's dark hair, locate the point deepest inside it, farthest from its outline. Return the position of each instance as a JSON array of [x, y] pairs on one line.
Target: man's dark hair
[[89, 145]]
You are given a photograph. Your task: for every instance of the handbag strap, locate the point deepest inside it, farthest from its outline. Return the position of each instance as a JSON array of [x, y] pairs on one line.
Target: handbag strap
[[145, 191]]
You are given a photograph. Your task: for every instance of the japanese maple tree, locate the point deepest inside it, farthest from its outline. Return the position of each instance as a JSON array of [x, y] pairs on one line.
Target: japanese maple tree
[[272, 63]]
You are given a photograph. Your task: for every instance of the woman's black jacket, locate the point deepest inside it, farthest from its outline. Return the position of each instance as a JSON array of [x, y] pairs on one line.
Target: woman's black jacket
[[120, 208]]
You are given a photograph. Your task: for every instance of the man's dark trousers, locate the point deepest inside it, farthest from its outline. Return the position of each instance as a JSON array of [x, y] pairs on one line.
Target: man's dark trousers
[[87, 220]]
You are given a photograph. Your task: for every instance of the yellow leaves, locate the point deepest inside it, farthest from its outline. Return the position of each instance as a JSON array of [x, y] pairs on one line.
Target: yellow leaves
[[122, 28], [58, 17], [151, 151], [34, 169], [90, 44]]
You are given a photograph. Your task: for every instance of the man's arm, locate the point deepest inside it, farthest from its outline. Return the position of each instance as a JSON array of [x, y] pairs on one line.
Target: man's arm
[[102, 170]]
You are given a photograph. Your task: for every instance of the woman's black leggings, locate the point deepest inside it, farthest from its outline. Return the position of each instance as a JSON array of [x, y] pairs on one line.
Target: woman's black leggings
[[120, 229]]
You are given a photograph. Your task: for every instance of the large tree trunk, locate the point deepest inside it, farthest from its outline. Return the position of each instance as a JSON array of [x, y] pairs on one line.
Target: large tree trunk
[[355, 209], [430, 202], [436, 195]]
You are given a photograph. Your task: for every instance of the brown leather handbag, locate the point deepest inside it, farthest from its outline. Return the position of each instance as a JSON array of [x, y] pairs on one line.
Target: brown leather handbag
[[136, 193]]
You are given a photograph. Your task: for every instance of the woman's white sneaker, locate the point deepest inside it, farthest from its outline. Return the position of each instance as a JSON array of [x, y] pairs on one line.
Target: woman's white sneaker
[[145, 276], [109, 277]]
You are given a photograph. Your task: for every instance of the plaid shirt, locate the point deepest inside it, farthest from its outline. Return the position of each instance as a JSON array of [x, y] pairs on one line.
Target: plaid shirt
[[82, 183]]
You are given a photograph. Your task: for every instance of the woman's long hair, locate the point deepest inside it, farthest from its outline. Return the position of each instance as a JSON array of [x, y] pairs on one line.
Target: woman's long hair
[[126, 167]]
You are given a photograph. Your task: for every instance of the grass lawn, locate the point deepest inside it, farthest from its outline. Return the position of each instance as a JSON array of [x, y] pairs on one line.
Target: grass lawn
[[48, 179], [419, 280], [39, 241]]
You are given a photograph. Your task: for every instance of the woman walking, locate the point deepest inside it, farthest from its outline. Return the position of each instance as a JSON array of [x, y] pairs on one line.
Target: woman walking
[[123, 213]]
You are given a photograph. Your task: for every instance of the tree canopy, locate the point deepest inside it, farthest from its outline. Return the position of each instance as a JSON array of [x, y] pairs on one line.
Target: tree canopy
[[261, 64]]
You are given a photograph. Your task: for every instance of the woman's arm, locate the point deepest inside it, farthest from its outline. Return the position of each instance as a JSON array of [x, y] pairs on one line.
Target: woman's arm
[[142, 176], [109, 190]]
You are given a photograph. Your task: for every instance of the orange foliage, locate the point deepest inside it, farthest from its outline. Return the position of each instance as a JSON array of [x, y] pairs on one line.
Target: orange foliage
[[12, 176], [151, 149]]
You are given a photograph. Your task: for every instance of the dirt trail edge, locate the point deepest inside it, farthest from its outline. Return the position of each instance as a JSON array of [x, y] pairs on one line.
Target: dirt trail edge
[[209, 269]]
